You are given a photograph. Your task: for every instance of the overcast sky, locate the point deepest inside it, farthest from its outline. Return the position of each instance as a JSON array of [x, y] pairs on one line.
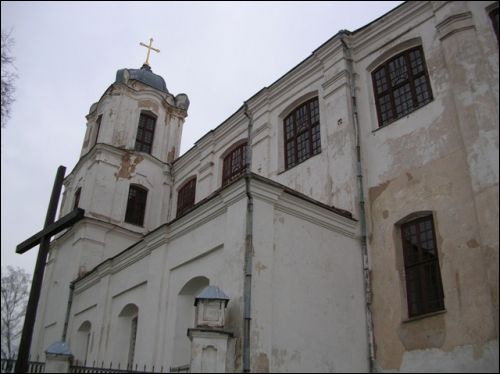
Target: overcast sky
[[67, 55]]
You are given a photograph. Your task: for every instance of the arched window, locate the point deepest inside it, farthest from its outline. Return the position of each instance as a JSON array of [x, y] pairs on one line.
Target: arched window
[[302, 133], [234, 164], [136, 205], [145, 133], [424, 289], [186, 196], [401, 85]]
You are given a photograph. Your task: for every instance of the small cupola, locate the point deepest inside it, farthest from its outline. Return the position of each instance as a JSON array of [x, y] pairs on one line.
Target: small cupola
[[211, 306]]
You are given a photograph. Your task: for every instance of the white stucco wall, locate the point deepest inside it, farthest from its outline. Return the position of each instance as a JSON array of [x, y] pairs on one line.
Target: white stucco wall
[[441, 158], [293, 280], [307, 290]]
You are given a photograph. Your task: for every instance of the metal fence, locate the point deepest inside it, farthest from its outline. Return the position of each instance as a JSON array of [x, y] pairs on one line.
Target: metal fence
[[33, 366], [117, 369], [180, 369], [39, 367]]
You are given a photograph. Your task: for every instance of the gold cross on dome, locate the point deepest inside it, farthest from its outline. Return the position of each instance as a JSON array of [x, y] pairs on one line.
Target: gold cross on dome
[[149, 49]]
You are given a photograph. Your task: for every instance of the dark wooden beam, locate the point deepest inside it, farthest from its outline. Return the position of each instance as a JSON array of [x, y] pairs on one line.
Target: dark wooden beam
[[61, 224]]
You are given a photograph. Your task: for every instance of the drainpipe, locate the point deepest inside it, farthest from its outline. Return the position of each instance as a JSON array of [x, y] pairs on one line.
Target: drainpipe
[[247, 282], [362, 212], [68, 309]]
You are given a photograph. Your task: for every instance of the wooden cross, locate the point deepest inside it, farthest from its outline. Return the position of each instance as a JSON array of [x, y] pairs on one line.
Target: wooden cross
[[149, 50], [43, 238]]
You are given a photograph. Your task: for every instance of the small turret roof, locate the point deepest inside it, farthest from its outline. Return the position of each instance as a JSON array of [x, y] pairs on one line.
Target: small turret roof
[[212, 293]]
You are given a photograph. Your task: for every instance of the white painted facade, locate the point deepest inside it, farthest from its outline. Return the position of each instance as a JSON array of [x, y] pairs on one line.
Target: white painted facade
[[308, 300]]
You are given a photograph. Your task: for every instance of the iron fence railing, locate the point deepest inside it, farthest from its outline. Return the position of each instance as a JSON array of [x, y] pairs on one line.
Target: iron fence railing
[[39, 367], [8, 365]]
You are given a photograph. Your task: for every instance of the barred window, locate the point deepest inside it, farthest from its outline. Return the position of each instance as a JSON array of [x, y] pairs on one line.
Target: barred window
[[234, 164], [424, 288], [302, 135], [145, 133], [136, 205], [401, 86], [186, 197]]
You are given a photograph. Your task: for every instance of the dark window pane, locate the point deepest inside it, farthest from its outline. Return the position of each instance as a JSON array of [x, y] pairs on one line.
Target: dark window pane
[[406, 89], [403, 100], [423, 278], [398, 71], [289, 128], [290, 148], [234, 164], [316, 140], [186, 197], [302, 133], [314, 110], [417, 64], [136, 205], [385, 108], [145, 133], [380, 80], [422, 90]]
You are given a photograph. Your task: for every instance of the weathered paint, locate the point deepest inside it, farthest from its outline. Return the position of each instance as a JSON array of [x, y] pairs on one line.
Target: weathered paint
[[441, 159], [424, 163]]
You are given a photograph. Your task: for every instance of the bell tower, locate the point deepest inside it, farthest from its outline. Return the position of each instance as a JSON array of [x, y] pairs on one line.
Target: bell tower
[[133, 134], [122, 180]]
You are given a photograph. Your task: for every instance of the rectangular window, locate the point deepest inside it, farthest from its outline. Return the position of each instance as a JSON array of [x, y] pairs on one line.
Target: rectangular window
[[424, 289], [145, 133], [234, 164], [186, 196], [136, 205], [401, 86], [302, 134]]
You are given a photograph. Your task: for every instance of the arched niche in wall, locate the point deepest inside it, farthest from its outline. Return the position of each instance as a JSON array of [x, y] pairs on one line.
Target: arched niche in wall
[[125, 335], [185, 317], [81, 344]]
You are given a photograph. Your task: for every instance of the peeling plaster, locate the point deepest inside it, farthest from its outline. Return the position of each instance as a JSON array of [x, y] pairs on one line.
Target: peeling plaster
[[472, 243], [261, 363], [128, 165], [423, 334], [149, 104]]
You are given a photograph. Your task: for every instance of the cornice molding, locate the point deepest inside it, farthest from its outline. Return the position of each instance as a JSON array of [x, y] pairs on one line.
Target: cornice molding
[[455, 23], [402, 18], [278, 196]]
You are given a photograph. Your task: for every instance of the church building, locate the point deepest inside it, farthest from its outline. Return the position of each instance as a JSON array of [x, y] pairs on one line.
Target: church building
[[343, 219]]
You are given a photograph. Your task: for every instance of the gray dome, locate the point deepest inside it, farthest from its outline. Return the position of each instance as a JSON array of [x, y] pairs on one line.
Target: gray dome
[[144, 75]]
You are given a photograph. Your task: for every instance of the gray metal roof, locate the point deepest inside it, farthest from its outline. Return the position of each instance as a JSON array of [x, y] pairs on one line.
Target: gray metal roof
[[212, 293], [144, 75]]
